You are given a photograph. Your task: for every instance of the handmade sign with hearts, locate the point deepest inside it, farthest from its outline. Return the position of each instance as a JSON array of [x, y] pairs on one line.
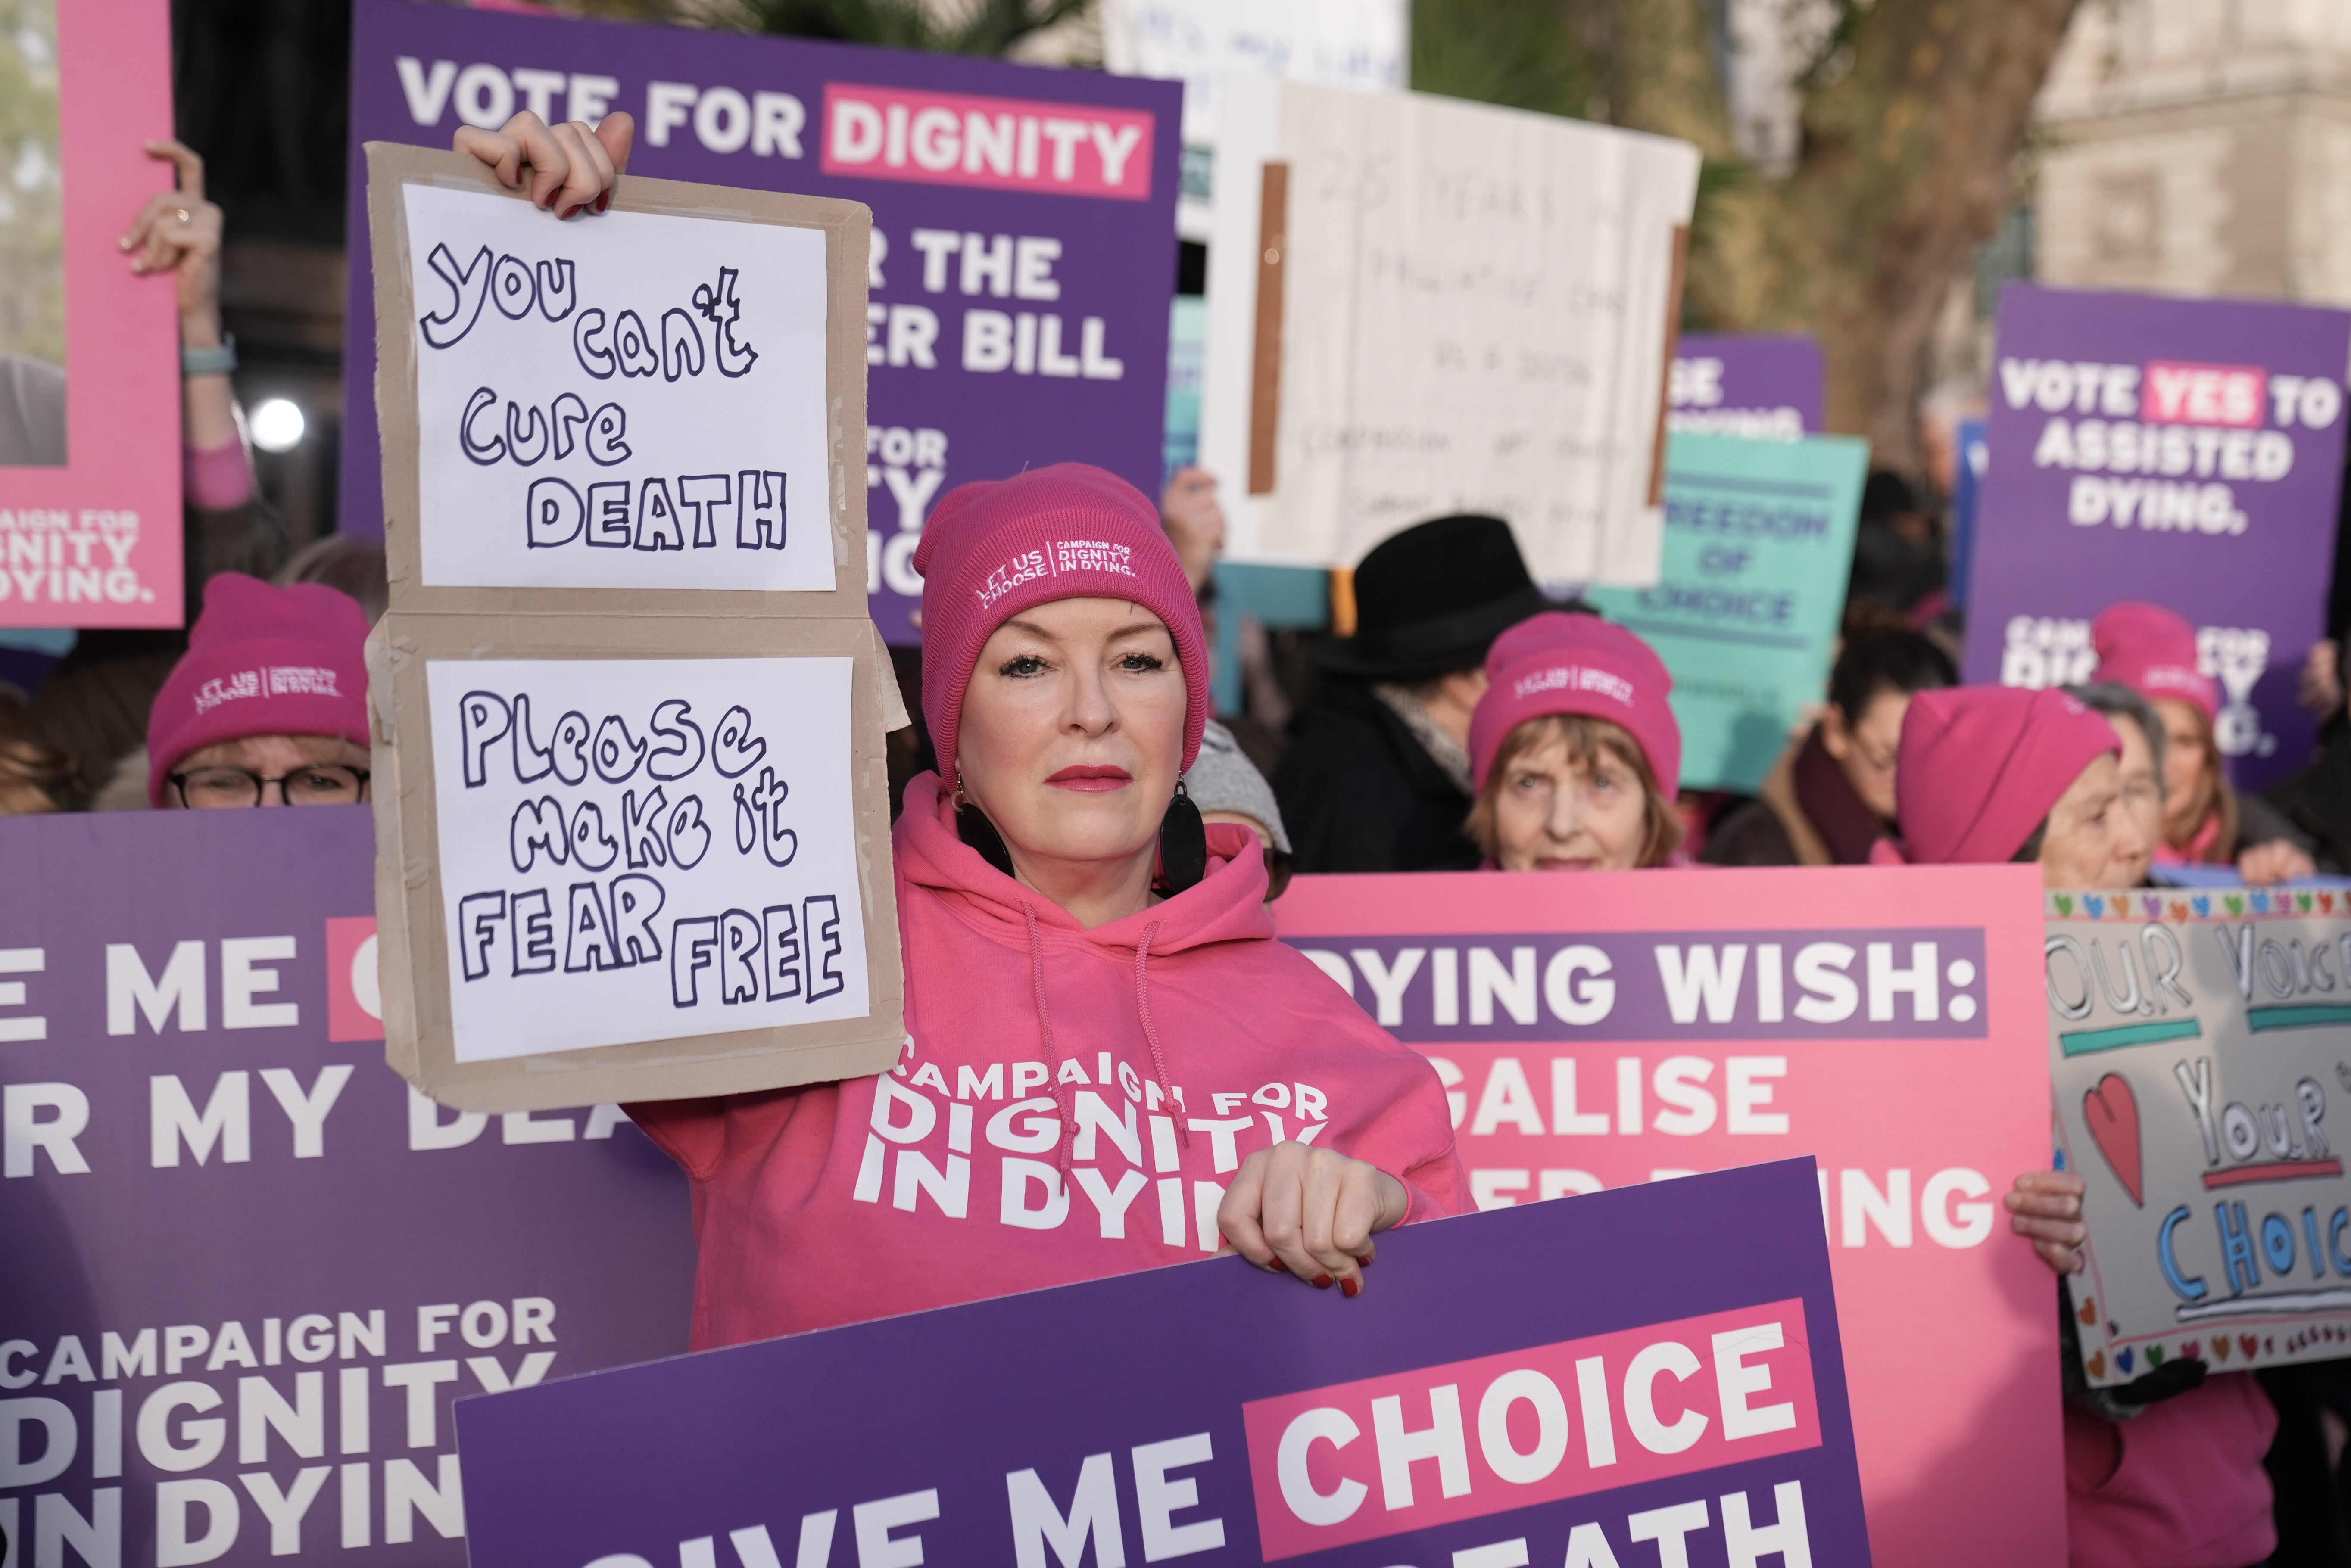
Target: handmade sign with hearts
[[2201, 1044]]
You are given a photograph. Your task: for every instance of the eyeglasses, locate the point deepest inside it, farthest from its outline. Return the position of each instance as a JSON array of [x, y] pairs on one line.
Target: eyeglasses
[[324, 783]]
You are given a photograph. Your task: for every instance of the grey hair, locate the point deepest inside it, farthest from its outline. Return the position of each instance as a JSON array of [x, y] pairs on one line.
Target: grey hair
[[2116, 701]]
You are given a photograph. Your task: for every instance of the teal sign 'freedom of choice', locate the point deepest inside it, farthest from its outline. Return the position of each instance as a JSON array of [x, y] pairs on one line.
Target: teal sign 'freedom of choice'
[[1759, 545]]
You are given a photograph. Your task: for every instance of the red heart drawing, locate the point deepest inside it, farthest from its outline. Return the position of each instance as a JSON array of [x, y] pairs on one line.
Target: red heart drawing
[[2111, 1112], [2220, 1347], [2089, 1313], [2246, 1343], [2178, 910], [2188, 1351]]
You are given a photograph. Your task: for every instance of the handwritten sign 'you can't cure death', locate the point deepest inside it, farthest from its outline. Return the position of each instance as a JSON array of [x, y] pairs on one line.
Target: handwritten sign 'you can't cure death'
[[632, 807]]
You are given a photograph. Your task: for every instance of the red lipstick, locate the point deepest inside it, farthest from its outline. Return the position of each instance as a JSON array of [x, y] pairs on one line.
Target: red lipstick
[[1091, 779]]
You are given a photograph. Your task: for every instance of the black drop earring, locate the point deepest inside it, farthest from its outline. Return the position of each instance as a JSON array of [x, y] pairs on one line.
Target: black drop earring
[[973, 828], [1183, 843]]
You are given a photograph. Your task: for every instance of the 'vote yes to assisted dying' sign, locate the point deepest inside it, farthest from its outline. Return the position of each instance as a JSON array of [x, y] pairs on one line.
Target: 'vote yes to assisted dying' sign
[[1493, 1400]]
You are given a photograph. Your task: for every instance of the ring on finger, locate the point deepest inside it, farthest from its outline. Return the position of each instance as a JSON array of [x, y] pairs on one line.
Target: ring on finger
[[184, 216]]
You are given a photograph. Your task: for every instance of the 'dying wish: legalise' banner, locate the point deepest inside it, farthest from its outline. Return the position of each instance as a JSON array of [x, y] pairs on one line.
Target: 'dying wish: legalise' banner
[[245, 1269], [1024, 230]]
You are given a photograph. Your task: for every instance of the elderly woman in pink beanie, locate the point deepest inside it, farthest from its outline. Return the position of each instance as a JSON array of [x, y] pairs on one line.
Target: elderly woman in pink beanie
[[1574, 750], [1111, 1063], [268, 706], [2165, 1472], [2152, 651]]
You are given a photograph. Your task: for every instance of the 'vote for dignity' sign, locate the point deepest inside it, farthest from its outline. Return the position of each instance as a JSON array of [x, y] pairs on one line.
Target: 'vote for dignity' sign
[[1494, 1400]]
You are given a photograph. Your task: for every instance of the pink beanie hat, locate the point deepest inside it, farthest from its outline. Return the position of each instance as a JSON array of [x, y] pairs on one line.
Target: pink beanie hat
[[1556, 662], [1980, 766], [2153, 651], [998, 547], [261, 662]]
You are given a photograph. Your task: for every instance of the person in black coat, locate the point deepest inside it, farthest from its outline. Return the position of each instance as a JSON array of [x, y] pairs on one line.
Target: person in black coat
[[1377, 777]]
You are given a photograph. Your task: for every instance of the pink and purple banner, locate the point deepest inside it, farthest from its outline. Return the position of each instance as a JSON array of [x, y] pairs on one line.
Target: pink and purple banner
[[247, 1270], [1602, 1031], [89, 369], [1647, 1375], [2188, 451], [1024, 251]]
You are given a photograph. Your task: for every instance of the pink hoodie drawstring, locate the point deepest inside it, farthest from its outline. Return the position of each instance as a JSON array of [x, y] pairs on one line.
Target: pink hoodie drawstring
[[1045, 1023], [1143, 1006]]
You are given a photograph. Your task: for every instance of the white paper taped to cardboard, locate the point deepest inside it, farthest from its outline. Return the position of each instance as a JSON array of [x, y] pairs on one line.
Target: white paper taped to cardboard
[[643, 849], [635, 403]]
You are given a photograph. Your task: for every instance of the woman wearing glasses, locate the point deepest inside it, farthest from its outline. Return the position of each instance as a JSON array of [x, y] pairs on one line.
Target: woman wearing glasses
[[269, 705], [1832, 796]]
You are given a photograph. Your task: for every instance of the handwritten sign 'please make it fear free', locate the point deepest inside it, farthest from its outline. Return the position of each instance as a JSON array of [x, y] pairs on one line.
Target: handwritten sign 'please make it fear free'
[[641, 411], [635, 850]]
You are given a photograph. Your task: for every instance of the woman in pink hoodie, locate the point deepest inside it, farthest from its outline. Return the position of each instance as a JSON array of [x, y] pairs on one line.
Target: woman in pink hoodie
[[1111, 1063], [2165, 1472]]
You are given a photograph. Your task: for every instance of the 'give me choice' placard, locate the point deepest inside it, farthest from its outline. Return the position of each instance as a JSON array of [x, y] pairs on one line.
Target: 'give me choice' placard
[[1632, 1377]]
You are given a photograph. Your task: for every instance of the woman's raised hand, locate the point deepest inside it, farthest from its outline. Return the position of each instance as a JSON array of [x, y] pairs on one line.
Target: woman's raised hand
[[570, 168], [1311, 1211], [2047, 1206]]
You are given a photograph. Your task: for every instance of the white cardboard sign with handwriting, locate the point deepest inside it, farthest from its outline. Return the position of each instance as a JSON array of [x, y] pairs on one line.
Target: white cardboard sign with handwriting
[[643, 411], [1439, 306], [638, 849]]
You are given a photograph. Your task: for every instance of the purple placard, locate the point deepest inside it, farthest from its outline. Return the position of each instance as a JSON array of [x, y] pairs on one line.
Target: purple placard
[[1880, 982], [1766, 385], [245, 1274], [1099, 266], [2184, 452], [1156, 1411]]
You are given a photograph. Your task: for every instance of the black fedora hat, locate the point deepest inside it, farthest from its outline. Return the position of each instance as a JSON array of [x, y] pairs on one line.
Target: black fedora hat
[[1433, 599]]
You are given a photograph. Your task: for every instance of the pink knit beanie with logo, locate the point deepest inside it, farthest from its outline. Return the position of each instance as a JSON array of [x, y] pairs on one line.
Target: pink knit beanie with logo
[[1561, 663], [1980, 766], [998, 547], [261, 662], [2153, 651]]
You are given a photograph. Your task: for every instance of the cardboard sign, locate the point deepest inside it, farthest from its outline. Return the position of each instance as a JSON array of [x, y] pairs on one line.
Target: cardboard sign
[[248, 1268], [1605, 1029], [632, 808], [2183, 451], [89, 365], [1682, 1404], [2198, 1042], [1009, 324], [1759, 547], [703, 419], [1425, 306], [1763, 386]]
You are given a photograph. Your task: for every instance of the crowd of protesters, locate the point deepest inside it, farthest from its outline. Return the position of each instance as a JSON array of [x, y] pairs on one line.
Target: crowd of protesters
[[1435, 735]]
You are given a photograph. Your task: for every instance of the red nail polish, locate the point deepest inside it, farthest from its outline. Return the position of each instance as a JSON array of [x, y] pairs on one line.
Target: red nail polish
[[1322, 1281], [1351, 1286], [604, 201], [1365, 1262]]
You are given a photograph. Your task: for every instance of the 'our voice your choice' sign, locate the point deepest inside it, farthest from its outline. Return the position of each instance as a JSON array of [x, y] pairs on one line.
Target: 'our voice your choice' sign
[[633, 817]]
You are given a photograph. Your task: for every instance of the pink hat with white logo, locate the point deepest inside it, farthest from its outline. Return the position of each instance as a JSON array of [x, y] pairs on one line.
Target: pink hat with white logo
[[261, 662], [2153, 651], [1557, 662], [1980, 766], [996, 547]]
